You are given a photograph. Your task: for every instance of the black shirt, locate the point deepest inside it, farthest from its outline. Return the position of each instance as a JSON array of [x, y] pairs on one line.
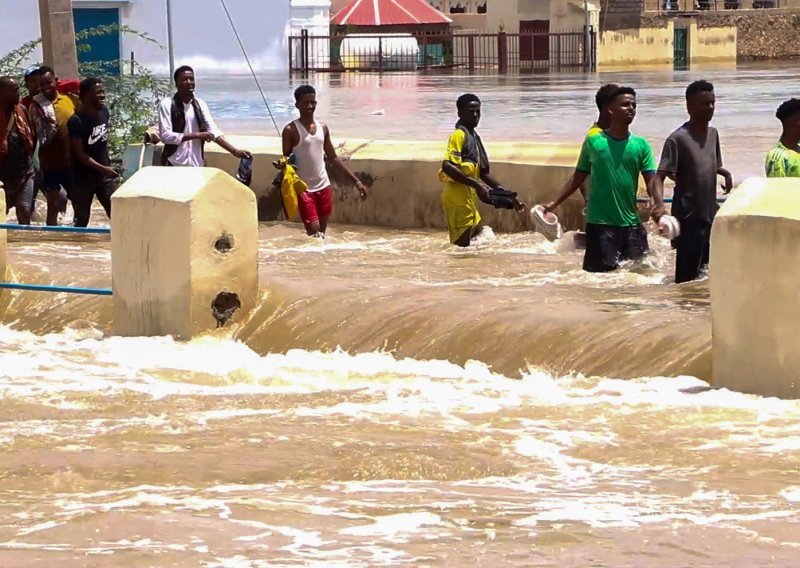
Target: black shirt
[[694, 160], [92, 130]]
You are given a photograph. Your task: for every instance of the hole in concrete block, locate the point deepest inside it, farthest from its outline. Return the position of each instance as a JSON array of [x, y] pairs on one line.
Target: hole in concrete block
[[224, 243], [224, 306]]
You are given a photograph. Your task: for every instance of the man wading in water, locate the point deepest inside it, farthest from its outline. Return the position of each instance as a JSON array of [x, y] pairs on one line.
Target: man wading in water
[[784, 159], [308, 141], [614, 159], [692, 157], [466, 177], [185, 125]]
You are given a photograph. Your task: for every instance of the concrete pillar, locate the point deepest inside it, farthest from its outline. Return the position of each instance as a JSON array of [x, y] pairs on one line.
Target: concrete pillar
[[58, 37], [755, 295], [184, 252]]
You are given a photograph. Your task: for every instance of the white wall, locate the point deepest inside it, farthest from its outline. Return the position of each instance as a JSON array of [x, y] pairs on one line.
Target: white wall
[[203, 37], [19, 23]]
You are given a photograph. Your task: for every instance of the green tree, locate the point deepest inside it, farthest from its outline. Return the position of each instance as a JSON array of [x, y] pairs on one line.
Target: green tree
[[132, 97]]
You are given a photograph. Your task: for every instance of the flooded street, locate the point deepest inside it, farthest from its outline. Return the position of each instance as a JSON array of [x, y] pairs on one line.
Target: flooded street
[[393, 401]]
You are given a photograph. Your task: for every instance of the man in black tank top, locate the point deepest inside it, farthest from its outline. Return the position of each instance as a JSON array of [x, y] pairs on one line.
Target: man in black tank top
[[315, 206]]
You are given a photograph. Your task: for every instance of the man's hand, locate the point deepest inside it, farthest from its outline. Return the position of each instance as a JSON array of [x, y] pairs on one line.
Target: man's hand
[[110, 173], [483, 192], [241, 154], [362, 189], [727, 186], [548, 207], [657, 211]]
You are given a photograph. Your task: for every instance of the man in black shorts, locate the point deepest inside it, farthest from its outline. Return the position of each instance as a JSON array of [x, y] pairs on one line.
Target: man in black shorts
[[614, 158], [692, 157], [92, 173]]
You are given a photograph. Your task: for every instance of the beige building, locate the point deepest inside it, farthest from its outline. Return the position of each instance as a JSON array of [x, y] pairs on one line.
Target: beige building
[[514, 16]]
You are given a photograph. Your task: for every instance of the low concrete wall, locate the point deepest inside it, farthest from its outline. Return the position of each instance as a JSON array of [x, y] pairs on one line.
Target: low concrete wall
[[755, 304], [403, 177], [639, 47], [712, 45]]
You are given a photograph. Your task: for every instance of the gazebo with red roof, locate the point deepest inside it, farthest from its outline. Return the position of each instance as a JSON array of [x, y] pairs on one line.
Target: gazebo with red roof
[[389, 16]]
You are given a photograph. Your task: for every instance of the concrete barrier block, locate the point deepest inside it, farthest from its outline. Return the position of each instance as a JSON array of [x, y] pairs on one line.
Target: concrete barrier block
[[184, 246], [755, 296]]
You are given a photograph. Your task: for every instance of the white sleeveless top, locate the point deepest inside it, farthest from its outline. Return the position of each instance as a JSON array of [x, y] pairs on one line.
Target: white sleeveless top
[[309, 157]]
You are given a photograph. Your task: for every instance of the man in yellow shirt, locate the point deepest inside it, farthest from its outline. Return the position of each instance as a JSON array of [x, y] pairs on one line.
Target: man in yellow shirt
[[49, 114], [466, 177]]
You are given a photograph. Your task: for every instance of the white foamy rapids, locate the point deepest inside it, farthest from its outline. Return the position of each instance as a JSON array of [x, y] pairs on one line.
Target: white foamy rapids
[[404, 458]]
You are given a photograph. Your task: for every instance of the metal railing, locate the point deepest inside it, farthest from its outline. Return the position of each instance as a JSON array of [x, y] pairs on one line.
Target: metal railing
[[53, 288], [678, 6], [500, 52]]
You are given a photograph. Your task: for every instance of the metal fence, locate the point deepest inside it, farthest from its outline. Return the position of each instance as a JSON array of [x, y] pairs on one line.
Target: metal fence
[[500, 52], [666, 6]]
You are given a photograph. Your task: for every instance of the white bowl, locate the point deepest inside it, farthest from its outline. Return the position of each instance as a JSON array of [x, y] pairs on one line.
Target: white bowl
[[669, 227], [546, 223]]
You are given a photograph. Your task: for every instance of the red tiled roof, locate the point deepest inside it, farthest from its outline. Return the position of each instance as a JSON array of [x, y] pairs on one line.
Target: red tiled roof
[[388, 13]]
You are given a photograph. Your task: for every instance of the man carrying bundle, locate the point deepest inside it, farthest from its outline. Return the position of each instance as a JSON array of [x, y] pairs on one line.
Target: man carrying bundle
[[466, 177]]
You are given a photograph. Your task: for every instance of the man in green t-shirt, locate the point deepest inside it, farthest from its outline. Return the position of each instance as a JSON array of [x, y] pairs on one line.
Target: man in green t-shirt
[[784, 158], [614, 159]]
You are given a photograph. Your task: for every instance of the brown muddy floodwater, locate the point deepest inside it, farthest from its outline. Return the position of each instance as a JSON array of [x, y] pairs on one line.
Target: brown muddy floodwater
[[391, 402]]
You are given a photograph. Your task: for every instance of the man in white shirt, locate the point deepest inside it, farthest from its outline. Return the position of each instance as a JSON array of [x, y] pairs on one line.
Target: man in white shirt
[[185, 125]]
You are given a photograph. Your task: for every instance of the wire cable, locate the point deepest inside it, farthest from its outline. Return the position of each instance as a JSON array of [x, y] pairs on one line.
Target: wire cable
[[252, 71]]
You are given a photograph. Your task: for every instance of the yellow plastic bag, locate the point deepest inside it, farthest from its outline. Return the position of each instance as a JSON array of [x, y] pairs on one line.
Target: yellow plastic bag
[[291, 187]]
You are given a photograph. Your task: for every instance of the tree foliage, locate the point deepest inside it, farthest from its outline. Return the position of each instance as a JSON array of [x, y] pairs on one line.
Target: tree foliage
[[132, 97]]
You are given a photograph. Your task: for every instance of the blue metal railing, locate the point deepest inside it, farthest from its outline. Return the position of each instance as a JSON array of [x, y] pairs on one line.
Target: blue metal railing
[[50, 288], [67, 289], [56, 229]]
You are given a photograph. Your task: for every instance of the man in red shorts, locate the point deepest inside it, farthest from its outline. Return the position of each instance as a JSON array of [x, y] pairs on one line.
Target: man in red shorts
[[309, 142]]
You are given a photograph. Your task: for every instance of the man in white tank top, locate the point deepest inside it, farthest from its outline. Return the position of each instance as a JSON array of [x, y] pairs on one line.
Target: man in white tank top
[[310, 142]]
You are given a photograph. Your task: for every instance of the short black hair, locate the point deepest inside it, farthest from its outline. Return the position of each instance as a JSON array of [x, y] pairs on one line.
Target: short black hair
[[603, 95], [466, 99], [87, 85], [701, 86], [6, 80], [788, 109], [619, 91], [44, 70], [302, 91], [179, 70]]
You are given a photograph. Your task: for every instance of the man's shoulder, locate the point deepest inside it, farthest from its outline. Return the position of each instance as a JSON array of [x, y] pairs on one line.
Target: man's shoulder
[[777, 148], [41, 100], [64, 102], [458, 134]]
